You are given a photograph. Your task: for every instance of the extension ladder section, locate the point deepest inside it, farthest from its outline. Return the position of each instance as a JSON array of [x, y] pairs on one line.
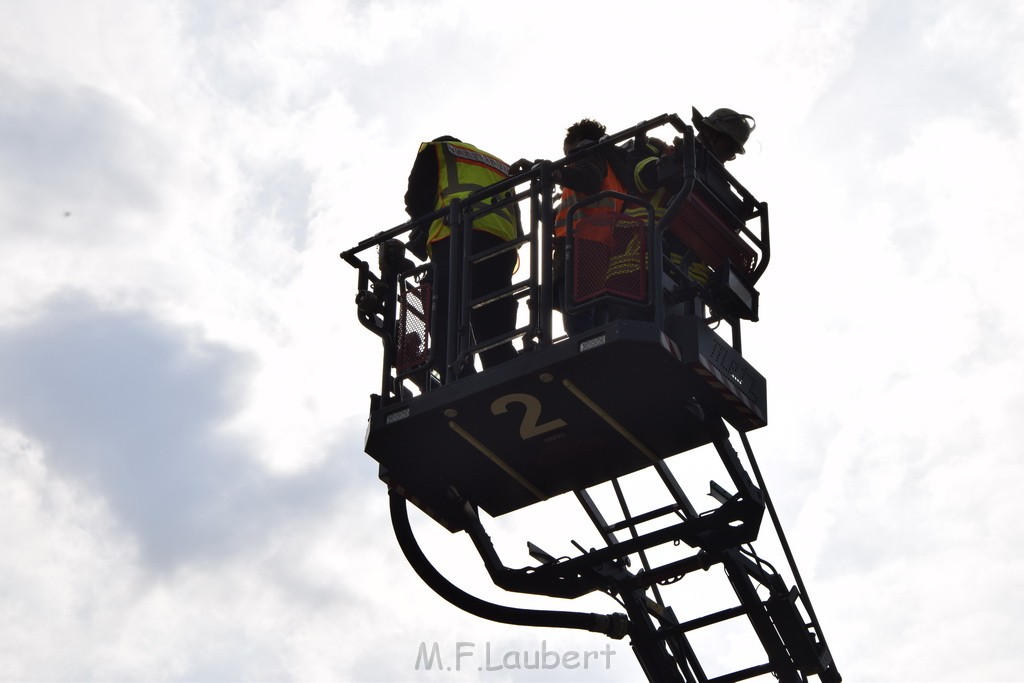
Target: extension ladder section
[[793, 645]]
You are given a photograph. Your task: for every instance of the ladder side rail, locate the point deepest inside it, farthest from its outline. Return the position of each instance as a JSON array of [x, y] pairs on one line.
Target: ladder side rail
[[678, 644], [603, 527], [778, 657], [631, 525], [651, 651], [656, 661], [730, 459], [681, 649], [790, 560], [672, 484]]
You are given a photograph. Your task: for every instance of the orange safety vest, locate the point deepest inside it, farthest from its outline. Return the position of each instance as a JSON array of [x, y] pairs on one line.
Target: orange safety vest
[[605, 205]]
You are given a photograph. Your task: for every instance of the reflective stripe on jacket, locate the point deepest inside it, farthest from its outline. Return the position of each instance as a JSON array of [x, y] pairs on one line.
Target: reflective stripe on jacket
[[628, 261], [462, 170], [658, 196]]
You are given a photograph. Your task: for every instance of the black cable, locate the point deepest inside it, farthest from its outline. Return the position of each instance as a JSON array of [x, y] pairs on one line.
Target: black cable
[[613, 625]]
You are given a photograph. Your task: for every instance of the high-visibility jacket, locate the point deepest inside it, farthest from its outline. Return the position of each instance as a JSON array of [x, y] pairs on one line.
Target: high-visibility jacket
[[462, 170], [605, 205], [658, 195]]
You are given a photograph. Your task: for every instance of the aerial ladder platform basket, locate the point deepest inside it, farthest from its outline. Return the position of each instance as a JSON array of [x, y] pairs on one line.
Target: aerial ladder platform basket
[[568, 414]]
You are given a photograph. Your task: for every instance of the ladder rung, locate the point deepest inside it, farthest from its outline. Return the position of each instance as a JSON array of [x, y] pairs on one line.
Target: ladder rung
[[700, 622], [743, 674], [645, 517]]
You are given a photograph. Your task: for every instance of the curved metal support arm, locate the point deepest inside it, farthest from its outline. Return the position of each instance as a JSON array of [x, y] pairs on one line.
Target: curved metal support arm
[[613, 625]]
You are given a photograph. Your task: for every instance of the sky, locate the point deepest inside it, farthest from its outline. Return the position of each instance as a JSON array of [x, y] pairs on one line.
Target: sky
[[184, 384]]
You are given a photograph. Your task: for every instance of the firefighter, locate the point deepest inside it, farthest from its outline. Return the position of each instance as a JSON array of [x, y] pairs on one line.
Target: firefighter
[[724, 133], [445, 169], [604, 169]]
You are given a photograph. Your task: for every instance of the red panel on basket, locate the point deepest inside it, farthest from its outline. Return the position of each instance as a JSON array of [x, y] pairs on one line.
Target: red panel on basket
[[701, 229]]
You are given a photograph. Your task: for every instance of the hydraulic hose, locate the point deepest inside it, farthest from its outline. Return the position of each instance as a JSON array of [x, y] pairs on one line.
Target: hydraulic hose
[[613, 625]]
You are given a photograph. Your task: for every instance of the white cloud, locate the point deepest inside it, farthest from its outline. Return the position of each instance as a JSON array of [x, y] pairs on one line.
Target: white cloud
[[185, 384]]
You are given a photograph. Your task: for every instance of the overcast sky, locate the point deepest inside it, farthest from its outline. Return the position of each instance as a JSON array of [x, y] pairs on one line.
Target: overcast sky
[[183, 382]]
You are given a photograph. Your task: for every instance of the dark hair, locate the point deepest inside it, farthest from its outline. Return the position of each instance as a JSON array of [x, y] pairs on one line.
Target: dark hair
[[586, 129]]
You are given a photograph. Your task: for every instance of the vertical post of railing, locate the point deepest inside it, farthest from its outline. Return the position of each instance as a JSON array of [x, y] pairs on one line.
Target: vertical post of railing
[[534, 299], [456, 262], [655, 269], [542, 242], [390, 291], [463, 338]]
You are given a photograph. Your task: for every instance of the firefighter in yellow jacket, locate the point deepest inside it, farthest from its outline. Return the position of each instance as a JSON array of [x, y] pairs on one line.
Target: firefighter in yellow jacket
[[445, 169]]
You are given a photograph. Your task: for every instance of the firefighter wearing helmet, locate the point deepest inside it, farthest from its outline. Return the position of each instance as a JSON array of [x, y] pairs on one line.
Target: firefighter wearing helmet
[[724, 132]]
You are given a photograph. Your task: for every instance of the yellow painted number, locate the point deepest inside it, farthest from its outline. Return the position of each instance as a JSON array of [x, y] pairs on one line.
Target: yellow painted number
[[530, 426]]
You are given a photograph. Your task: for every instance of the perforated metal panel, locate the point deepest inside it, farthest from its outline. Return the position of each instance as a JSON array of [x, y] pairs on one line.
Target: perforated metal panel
[[413, 339], [610, 257]]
